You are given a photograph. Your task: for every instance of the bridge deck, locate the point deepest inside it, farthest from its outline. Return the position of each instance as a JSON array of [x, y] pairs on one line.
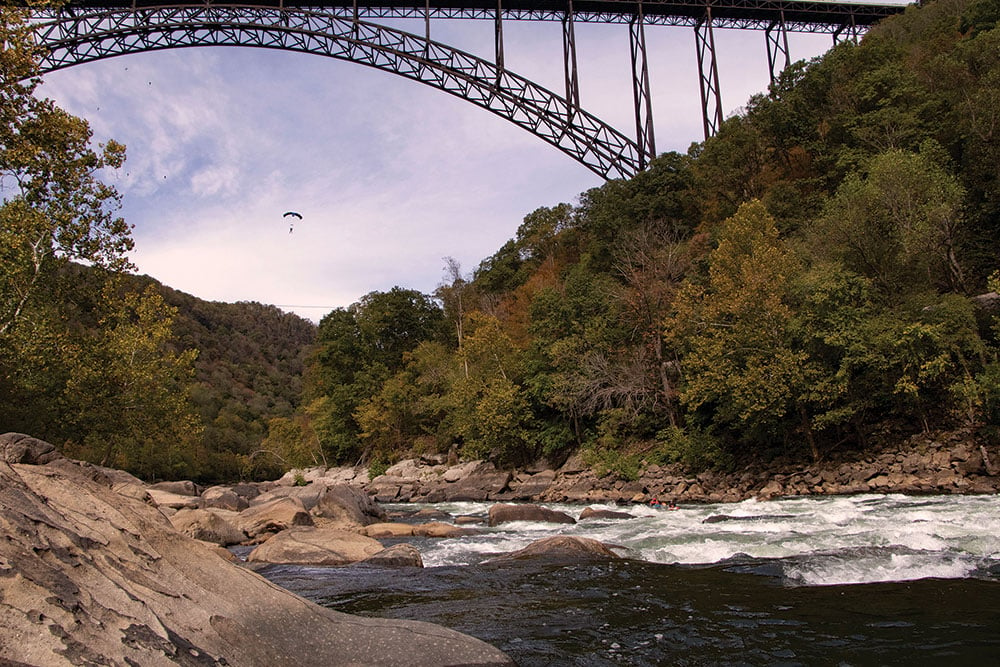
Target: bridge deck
[[746, 14]]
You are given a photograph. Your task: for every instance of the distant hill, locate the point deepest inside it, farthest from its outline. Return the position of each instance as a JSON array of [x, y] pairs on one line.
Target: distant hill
[[248, 371]]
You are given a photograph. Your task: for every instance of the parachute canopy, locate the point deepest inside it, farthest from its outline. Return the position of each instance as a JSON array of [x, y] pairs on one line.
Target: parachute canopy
[[292, 214]]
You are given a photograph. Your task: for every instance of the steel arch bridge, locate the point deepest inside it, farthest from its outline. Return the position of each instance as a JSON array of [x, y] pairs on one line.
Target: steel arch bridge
[[87, 30]]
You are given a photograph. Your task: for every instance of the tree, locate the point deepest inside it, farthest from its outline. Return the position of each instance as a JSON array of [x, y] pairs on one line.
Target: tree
[[392, 323], [899, 224], [54, 209], [84, 358], [126, 399], [740, 365]]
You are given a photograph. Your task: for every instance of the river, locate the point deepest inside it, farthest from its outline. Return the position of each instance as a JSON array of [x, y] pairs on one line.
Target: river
[[846, 580]]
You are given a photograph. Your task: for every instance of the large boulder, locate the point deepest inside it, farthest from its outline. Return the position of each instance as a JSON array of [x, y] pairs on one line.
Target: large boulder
[[561, 547], [591, 513], [207, 526], [21, 448], [308, 495], [348, 506], [533, 486], [482, 482], [94, 577], [224, 498], [180, 488], [273, 517], [172, 501], [398, 555], [315, 546], [503, 513]]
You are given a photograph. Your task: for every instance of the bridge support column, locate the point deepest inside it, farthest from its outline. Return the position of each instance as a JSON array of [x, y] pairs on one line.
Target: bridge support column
[[708, 74], [778, 57], [641, 90], [569, 61], [498, 37], [848, 31]]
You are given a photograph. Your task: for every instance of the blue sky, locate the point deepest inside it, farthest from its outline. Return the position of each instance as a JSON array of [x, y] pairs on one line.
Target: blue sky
[[390, 175]]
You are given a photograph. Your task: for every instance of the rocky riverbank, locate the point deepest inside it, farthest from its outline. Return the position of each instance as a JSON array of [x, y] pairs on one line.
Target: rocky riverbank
[[92, 572], [946, 463]]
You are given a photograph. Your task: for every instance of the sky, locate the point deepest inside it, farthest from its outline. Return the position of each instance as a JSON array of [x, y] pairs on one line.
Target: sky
[[390, 176]]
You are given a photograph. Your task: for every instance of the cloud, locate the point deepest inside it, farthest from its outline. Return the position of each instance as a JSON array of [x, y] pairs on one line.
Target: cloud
[[390, 176]]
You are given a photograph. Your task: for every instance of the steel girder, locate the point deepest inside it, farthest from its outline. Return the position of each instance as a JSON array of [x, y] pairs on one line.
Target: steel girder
[[809, 16], [708, 74], [778, 56], [641, 93], [71, 38]]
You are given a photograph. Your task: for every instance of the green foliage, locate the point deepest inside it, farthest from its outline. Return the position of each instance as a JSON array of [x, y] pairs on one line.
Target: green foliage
[[692, 447], [898, 225], [612, 461], [790, 284], [793, 284], [292, 443], [740, 360]]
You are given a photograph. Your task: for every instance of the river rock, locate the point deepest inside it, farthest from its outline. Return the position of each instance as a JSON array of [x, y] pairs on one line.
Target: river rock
[[388, 530], [483, 483], [180, 488], [315, 546], [173, 501], [273, 517], [561, 547], [348, 506], [308, 495], [21, 448], [223, 497], [439, 529], [92, 577], [398, 555], [591, 513], [207, 526], [503, 513], [534, 486]]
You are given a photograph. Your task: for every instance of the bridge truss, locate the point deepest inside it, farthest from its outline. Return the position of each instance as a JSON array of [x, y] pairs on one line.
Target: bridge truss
[[83, 31]]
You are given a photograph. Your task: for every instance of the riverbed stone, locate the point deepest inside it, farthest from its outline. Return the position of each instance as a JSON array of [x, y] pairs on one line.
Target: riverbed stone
[[347, 506], [561, 547], [440, 529], [223, 497], [591, 513], [503, 513], [309, 545], [388, 529], [279, 514], [398, 555], [207, 526]]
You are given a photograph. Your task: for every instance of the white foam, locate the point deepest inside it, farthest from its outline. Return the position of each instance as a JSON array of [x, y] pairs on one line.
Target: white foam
[[843, 539], [880, 568]]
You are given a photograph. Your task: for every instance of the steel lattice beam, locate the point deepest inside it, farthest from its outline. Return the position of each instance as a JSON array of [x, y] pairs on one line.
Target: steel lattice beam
[[86, 30], [800, 15], [708, 74], [77, 38], [642, 96], [778, 56]]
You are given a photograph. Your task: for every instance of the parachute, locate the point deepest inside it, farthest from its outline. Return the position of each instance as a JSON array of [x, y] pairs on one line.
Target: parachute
[[291, 214]]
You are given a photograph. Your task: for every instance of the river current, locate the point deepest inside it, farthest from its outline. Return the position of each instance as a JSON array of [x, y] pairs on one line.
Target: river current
[[845, 580]]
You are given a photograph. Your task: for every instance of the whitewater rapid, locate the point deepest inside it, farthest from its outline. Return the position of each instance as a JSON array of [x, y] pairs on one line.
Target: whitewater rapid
[[813, 541]]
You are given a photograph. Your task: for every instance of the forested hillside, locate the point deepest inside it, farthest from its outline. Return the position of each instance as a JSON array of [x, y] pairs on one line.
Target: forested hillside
[[808, 281], [799, 284], [247, 372]]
